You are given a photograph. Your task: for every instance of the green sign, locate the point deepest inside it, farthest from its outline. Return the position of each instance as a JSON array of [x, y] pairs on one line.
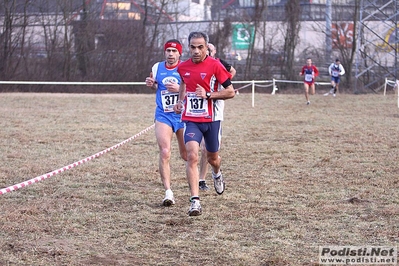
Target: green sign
[[243, 36]]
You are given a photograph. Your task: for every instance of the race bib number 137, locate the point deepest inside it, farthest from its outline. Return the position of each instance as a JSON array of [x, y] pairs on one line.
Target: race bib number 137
[[196, 106]]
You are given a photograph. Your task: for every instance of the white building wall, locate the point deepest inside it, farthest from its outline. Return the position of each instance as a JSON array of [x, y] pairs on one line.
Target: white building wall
[[190, 11]]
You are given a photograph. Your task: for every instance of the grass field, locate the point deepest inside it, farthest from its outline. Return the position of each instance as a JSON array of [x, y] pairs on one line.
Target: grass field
[[297, 177]]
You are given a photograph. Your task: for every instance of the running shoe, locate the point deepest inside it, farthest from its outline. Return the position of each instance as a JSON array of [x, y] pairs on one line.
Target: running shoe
[[308, 102], [203, 186], [328, 93], [218, 183], [169, 200], [195, 208]]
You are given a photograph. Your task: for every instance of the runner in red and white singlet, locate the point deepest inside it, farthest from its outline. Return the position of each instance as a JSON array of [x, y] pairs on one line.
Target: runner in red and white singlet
[[310, 72], [207, 73], [199, 104]]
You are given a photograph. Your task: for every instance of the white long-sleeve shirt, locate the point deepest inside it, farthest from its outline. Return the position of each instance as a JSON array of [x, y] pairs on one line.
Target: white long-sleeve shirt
[[336, 70]]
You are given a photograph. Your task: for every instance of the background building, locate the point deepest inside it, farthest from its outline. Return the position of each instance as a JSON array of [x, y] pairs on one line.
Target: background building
[[118, 40]]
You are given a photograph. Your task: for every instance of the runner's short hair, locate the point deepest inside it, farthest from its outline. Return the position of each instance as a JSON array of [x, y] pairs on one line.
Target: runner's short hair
[[198, 34]]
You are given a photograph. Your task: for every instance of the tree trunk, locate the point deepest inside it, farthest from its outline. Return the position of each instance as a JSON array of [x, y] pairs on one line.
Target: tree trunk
[[292, 22]]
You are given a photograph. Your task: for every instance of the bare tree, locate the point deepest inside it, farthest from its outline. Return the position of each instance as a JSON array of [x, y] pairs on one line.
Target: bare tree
[[82, 41], [220, 38], [291, 38], [54, 41], [67, 44], [12, 38], [345, 38], [260, 7]]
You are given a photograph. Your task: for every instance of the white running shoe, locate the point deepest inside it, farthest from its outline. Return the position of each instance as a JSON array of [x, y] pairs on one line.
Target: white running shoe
[[195, 208], [326, 94], [169, 200], [218, 183], [308, 102], [334, 95]]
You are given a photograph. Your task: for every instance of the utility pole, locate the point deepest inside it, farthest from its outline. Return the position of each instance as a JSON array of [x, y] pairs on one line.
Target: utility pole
[[396, 43], [328, 31]]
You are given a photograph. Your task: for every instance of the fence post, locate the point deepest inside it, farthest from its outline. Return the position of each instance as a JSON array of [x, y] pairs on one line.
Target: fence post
[[385, 86], [253, 93], [396, 88], [274, 86]]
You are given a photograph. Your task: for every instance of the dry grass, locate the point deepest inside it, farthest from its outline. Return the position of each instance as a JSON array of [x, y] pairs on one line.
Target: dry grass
[[298, 177]]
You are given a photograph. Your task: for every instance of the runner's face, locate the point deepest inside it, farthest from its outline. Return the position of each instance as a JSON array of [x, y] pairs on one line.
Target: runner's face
[[309, 62], [198, 49], [212, 50], [172, 56]]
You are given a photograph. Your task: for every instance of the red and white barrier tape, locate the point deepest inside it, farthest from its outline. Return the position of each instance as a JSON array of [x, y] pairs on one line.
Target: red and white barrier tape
[[60, 170]]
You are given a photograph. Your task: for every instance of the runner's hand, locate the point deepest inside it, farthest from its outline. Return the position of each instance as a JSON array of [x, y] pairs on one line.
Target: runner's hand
[[178, 107], [200, 92], [172, 86]]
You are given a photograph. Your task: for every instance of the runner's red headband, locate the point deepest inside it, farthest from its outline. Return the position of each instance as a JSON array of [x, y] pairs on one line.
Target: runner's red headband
[[173, 45]]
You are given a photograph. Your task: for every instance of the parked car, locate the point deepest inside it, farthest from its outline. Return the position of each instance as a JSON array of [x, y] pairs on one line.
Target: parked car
[[233, 56]]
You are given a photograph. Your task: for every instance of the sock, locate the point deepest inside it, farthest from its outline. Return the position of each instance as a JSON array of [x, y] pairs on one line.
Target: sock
[[194, 198], [216, 175], [335, 90]]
